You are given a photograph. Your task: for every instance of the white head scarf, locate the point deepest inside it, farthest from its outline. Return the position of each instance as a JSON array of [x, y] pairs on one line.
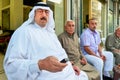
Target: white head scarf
[[50, 24]]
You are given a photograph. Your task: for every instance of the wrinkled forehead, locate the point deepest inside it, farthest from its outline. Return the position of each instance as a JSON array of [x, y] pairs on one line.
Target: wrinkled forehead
[[118, 29], [93, 21]]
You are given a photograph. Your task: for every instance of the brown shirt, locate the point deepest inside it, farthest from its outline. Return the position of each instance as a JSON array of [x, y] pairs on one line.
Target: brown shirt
[[71, 46]]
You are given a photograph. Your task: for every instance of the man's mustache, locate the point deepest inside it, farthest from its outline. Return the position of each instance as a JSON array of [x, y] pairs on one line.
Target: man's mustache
[[43, 18]]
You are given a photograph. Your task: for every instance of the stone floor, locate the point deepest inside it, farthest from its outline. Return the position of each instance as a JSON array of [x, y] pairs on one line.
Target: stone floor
[[2, 74]]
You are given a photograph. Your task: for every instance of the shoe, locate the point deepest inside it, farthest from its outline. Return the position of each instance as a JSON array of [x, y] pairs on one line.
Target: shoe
[[107, 78]]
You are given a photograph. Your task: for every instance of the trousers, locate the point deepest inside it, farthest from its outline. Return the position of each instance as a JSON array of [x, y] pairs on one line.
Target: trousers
[[99, 64]]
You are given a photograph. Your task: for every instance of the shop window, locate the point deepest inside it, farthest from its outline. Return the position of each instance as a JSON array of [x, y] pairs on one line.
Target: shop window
[[58, 14]]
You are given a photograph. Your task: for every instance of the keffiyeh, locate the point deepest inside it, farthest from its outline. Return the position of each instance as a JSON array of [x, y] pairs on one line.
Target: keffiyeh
[[50, 24]]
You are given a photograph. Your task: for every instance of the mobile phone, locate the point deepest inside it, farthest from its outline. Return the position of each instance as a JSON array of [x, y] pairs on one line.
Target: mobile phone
[[64, 60]]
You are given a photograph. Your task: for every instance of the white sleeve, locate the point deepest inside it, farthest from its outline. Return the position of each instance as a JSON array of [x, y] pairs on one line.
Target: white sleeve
[[17, 64]]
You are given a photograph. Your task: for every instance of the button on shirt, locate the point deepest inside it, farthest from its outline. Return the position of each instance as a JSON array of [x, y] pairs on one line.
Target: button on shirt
[[91, 39]]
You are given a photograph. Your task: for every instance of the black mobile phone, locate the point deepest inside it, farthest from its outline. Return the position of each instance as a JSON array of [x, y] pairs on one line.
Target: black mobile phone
[[64, 60]]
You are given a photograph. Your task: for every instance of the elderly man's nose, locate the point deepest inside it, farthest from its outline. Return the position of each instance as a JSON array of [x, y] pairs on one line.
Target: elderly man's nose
[[44, 13]]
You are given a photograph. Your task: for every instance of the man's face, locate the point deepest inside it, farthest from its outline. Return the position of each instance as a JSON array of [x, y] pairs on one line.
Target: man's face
[[41, 17], [70, 27], [117, 32], [92, 25]]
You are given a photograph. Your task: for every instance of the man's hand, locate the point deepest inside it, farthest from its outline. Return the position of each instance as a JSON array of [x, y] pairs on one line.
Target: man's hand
[[103, 57], [77, 70], [116, 51], [83, 61], [51, 64]]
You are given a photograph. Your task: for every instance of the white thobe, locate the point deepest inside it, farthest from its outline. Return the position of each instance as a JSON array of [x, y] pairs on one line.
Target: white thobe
[[27, 46]]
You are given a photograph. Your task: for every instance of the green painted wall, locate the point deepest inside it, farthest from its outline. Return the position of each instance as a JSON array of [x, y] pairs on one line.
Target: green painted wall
[[59, 18]]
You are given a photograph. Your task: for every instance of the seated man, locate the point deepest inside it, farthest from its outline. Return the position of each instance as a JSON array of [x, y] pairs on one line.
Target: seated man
[[34, 51], [70, 43], [91, 48], [113, 44]]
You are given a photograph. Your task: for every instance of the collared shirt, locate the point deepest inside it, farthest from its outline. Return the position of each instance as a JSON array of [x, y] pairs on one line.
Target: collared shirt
[[91, 39], [27, 46], [112, 42]]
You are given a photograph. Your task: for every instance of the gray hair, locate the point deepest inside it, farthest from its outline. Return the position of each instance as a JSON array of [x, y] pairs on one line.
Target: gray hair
[[68, 22]]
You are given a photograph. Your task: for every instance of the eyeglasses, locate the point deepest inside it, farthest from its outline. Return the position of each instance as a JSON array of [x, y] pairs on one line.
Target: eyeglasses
[[41, 11]]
